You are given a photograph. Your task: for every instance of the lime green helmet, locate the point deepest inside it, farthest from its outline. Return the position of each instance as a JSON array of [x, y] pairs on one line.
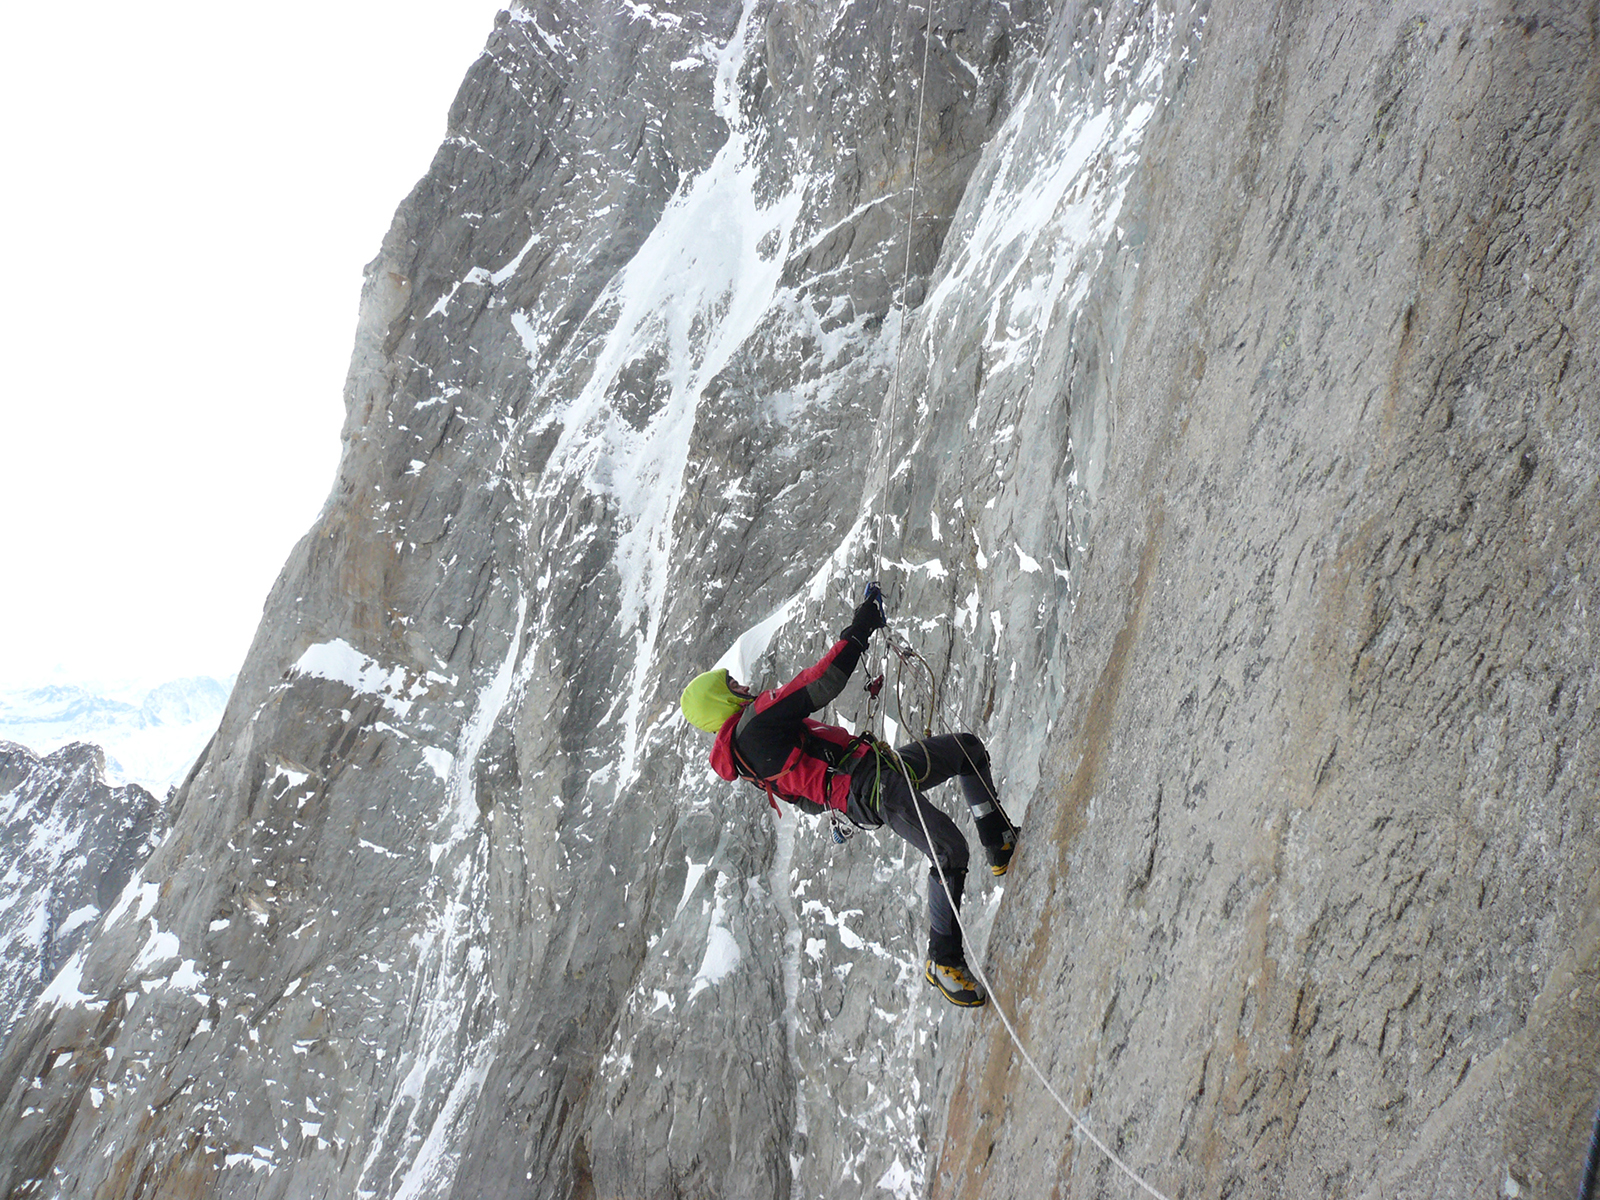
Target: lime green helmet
[[708, 702]]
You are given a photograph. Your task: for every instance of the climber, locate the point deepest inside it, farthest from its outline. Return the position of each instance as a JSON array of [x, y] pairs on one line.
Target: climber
[[770, 740]]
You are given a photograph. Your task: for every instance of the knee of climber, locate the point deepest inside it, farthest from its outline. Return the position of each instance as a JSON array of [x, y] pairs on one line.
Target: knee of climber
[[953, 859], [974, 756]]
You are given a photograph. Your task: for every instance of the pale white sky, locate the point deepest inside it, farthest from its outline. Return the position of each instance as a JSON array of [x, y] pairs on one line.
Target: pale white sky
[[189, 193]]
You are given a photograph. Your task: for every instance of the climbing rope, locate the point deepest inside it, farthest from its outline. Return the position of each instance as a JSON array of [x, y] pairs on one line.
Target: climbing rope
[[910, 656], [905, 656], [904, 651], [988, 987], [905, 284]]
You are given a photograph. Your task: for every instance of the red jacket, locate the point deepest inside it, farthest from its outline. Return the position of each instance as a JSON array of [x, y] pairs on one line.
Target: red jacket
[[790, 754]]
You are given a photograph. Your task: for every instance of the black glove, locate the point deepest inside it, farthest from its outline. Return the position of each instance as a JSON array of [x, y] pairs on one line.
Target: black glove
[[868, 617]]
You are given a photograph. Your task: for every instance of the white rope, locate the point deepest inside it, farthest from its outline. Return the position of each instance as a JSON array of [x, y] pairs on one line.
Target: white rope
[[883, 500], [905, 283], [1005, 1018]]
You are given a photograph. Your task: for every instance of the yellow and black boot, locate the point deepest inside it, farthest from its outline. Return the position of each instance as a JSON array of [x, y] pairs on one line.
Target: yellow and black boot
[[953, 982]]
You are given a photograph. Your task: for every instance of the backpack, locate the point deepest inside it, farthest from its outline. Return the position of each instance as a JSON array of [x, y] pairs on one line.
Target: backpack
[[840, 760]]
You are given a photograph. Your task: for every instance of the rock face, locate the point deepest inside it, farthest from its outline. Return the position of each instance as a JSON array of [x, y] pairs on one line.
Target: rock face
[[69, 844], [1212, 387], [1321, 918]]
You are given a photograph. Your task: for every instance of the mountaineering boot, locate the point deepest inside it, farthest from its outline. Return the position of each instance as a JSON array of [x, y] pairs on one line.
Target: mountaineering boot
[[955, 984], [1000, 855], [999, 838]]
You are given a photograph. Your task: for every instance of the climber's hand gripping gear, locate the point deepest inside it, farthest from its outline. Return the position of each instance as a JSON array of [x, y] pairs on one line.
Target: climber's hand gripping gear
[[873, 594], [869, 617]]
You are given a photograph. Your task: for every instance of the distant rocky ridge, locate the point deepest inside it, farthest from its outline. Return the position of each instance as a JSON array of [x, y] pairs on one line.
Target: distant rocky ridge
[[1214, 388], [69, 844]]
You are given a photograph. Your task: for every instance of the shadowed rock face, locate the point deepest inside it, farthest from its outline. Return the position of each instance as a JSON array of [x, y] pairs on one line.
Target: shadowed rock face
[[1213, 390]]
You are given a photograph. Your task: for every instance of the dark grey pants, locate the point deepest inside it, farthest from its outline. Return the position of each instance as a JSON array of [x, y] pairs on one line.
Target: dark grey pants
[[879, 796]]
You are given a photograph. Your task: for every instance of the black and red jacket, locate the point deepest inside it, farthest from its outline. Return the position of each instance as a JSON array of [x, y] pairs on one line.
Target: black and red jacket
[[782, 749]]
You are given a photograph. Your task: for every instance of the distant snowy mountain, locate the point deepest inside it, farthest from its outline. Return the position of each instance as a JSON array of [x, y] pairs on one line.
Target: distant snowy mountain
[[151, 736], [186, 702]]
